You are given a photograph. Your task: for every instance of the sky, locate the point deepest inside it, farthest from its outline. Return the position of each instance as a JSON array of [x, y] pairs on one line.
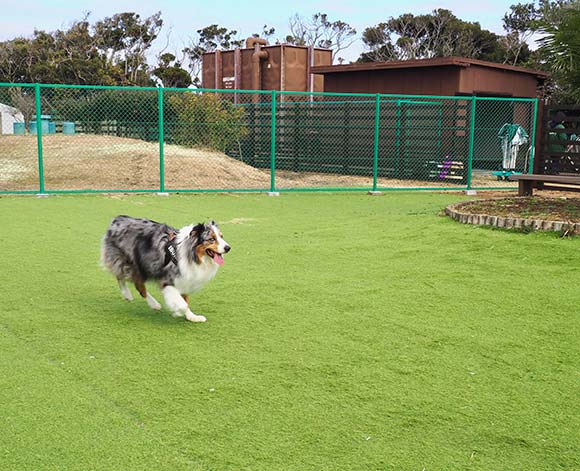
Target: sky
[[182, 18]]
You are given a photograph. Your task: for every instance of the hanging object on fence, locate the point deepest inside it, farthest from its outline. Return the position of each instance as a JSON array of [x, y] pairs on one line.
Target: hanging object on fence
[[512, 137]]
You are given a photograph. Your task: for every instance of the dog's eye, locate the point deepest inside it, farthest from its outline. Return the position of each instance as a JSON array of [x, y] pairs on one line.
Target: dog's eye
[[211, 239]]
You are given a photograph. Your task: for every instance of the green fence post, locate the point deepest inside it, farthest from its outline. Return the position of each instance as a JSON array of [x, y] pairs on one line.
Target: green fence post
[[533, 137], [39, 139], [471, 142], [273, 145], [161, 141], [376, 144], [398, 141]]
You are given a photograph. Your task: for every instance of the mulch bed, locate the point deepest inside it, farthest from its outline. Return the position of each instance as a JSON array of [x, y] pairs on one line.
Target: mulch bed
[[560, 214], [555, 209]]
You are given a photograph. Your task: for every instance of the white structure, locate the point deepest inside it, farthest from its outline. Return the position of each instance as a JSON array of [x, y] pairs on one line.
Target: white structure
[[9, 116]]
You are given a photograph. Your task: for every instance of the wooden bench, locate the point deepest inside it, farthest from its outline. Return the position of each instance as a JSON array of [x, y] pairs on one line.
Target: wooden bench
[[527, 183]]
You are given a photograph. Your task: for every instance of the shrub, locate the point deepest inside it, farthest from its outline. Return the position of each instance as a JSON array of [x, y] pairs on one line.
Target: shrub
[[204, 120]]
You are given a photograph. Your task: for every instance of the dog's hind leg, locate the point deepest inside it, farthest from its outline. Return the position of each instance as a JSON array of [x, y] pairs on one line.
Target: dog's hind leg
[[124, 290], [151, 301], [178, 305]]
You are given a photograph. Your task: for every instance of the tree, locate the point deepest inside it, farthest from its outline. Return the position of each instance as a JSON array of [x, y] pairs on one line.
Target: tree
[[208, 39], [74, 54], [560, 48], [267, 34], [112, 52], [15, 60], [319, 31], [123, 40], [519, 24], [438, 34], [170, 73], [63, 56]]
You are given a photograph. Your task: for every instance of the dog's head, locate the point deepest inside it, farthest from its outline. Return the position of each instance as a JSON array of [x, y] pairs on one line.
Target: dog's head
[[207, 241]]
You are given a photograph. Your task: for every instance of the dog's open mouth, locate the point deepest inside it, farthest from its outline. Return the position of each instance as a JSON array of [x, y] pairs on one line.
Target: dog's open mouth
[[217, 258]]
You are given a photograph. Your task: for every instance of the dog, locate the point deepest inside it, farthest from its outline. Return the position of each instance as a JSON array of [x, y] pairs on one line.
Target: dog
[[182, 261]]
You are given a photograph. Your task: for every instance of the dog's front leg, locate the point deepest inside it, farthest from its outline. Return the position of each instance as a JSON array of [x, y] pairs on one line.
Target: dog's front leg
[[178, 306]]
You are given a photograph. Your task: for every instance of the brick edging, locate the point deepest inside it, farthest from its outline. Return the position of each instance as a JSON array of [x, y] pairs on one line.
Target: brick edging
[[454, 211]]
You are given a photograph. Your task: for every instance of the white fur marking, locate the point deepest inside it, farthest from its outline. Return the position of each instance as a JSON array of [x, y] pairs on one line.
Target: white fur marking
[[194, 318], [152, 302], [221, 242], [125, 290], [173, 300], [177, 305], [193, 276]]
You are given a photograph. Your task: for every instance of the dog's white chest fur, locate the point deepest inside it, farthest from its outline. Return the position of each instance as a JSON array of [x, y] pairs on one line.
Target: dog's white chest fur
[[194, 276]]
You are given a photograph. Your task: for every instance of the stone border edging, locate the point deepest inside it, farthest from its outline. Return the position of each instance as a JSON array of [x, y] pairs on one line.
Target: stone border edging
[[506, 222]]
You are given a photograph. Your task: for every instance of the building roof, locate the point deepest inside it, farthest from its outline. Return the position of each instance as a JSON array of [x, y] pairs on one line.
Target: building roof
[[436, 62]]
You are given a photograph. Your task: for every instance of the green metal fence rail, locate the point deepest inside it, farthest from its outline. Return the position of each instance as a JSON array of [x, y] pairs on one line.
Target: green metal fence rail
[[87, 139]]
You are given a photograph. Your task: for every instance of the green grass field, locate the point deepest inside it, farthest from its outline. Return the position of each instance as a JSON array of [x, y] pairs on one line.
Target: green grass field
[[345, 332]]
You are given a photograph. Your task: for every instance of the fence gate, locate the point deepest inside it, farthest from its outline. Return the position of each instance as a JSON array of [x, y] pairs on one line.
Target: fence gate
[[560, 146]]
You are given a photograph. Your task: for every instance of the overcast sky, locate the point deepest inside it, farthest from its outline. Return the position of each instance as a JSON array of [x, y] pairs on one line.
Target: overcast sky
[[183, 18]]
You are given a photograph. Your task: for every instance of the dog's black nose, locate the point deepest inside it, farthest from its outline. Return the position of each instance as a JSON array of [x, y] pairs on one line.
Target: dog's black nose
[[227, 248]]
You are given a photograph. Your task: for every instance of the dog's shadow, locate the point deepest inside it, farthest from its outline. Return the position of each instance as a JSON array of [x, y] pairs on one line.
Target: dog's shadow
[[145, 314], [125, 312]]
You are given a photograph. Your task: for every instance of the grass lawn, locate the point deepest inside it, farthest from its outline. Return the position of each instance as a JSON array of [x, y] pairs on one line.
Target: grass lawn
[[345, 332]]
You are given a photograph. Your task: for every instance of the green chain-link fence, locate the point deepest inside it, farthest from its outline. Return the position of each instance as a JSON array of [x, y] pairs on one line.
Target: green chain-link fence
[[58, 138]]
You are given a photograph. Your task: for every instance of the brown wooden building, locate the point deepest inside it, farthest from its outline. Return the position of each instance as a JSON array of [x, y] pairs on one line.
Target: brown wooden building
[[445, 76]]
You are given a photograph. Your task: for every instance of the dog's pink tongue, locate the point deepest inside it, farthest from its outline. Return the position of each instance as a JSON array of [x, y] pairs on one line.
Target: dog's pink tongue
[[217, 258]]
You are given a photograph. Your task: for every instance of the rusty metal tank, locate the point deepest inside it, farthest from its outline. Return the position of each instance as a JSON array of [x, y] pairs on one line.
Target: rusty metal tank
[[259, 66]]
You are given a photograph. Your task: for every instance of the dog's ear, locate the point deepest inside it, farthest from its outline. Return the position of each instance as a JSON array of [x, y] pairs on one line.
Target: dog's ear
[[196, 231]]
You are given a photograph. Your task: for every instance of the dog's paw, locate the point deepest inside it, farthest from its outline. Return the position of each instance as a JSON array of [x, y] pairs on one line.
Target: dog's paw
[[153, 303], [194, 318], [177, 314], [127, 295]]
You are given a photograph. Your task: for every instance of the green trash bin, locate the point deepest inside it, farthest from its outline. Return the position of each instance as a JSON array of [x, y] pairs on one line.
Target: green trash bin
[[33, 127], [19, 128], [68, 127]]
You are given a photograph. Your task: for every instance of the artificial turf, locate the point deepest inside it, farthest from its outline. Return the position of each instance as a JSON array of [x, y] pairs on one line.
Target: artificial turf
[[345, 332]]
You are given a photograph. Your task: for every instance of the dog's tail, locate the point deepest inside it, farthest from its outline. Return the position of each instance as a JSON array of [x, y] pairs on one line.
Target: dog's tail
[[103, 258], [114, 260]]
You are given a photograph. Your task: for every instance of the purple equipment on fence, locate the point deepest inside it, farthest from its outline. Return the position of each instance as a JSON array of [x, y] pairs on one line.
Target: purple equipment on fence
[[445, 167]]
